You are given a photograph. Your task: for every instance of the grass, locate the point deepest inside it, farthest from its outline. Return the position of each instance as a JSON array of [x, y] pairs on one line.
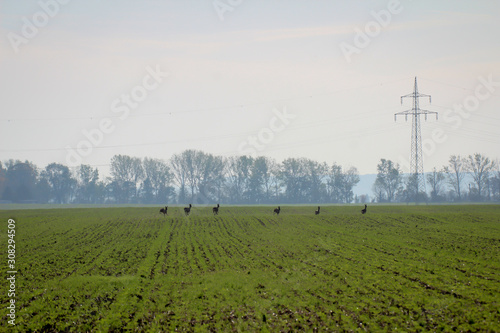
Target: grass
[[397, 268]]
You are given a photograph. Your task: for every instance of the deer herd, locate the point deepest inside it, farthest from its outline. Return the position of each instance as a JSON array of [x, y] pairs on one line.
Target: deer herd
[[215, 210]]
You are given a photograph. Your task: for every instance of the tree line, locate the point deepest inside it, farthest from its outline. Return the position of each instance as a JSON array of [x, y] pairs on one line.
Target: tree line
[[194, 176], [473, 178]]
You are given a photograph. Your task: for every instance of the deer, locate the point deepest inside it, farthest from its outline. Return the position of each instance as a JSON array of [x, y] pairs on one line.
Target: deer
[[164, 211], [277, 210], [215, 210], [187, 210]]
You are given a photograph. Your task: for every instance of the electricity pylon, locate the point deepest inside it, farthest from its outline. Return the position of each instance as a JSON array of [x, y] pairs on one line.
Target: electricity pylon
[[416, 159]]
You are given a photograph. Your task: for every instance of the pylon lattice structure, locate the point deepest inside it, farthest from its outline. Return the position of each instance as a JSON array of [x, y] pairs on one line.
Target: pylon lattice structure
[[416, 158]]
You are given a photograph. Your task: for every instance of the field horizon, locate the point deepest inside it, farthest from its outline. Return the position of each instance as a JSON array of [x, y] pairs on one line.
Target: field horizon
[[398, 267], [28, 206]]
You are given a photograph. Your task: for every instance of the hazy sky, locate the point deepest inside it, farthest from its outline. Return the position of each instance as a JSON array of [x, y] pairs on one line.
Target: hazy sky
[[315, 79]]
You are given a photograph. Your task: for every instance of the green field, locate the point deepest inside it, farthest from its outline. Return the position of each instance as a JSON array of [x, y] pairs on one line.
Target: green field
[[397, 268]]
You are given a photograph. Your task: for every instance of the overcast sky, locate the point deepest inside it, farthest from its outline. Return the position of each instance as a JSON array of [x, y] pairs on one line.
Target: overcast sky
[[315, 79]]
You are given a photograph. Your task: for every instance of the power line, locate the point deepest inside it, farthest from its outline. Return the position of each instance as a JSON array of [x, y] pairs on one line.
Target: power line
[[313, 124], [455, 86], [195, 110]]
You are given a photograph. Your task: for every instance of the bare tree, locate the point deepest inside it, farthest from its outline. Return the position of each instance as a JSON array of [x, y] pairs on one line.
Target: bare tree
[[218, 178], [335, 182], [200, 172], [389, 178], [410, 192], [257, 179], [480, 167], [351, 179], [211, 176], [316, 174], [190, 161], [456, 171], [3, 179], [263, 167], [495, 182], [294, 176], [180, 175], [87, 183], [435, 180], [60, 181], [379, 191], [341, 183], [20, 180], [238, 171], [276, 182], [127, 172], [157, 179]]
